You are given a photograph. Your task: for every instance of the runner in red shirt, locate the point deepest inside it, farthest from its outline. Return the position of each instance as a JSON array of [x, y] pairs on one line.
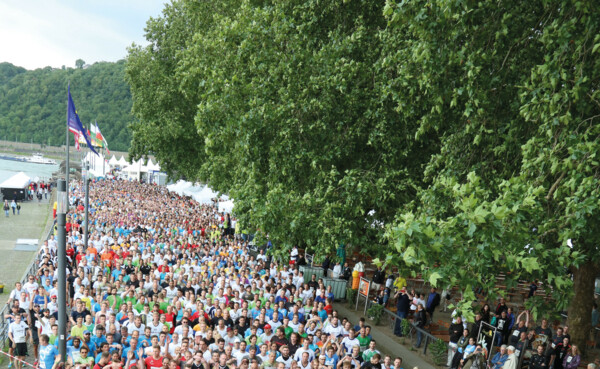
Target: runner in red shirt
[[155, 361], [164, 268]]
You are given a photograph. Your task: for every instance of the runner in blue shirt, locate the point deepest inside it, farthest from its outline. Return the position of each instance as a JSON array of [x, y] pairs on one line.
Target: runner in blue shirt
[[49, 356]]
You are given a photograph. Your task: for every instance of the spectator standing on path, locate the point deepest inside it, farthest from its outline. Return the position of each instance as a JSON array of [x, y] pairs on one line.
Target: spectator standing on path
[[18, 208], [378, 278], [402, 307], [420, 321], [456, 329], [6, 207], [433, 300], [13, 205]]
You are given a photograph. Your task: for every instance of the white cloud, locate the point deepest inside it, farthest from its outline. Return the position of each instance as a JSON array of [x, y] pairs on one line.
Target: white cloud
[[39, 33]]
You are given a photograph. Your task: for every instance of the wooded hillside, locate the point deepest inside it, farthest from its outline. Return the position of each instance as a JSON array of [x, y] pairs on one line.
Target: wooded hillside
[[33, 103]]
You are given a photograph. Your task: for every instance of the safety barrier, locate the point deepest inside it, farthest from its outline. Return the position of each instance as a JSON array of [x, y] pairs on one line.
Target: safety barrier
[[14, 358], [427, 339]]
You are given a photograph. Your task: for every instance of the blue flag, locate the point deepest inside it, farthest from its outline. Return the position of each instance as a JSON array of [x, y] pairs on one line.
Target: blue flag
[[74, 123]]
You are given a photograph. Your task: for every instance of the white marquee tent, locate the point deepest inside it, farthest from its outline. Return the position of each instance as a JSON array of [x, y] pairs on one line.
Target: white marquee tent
[[99, 166], [122, 162], [201, 193], [14, 187], [113, 161]]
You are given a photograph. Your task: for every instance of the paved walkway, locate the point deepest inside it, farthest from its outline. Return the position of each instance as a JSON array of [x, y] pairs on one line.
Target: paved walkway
[[387, 343], [34, 222]]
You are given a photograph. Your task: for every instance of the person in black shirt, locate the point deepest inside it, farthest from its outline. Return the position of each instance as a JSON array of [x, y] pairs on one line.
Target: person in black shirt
[[145, 268], [420, 321], [294, 343], [133, 281], [538, 360], [402, 307], [222, 362], [347, 272], [242, 325], [34, 316], [544, 330], [502, 325], [129, 268], [474, 331], [374, 363], [379, 276], [326, 264], [280, 339], [501, 307], [313, 282], [560, 352]]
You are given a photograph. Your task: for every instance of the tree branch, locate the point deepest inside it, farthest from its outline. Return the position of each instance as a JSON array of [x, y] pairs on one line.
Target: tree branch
[[555, 185]]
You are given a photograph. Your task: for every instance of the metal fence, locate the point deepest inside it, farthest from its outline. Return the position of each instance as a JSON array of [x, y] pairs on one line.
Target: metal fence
[[32, 269], [432, 347]]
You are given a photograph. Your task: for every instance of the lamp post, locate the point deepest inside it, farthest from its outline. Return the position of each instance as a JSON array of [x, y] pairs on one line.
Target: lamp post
[[62, 207], [86, 178]]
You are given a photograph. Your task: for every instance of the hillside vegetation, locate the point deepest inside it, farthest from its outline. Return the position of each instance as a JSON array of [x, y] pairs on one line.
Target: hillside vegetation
[[33, 103]]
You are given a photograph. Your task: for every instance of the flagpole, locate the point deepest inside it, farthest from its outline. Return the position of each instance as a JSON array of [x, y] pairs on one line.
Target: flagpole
[[67, 164]]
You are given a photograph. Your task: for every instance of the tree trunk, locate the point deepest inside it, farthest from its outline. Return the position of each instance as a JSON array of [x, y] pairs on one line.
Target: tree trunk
[[580, 309]]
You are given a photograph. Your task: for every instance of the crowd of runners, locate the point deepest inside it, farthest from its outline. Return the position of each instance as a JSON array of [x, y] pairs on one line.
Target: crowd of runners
[[165, 282]]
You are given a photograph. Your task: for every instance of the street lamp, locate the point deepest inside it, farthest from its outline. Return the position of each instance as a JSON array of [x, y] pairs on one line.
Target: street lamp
[[62, 207]]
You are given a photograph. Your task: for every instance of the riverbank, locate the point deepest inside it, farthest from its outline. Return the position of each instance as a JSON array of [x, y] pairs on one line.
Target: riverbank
[[52, 152]]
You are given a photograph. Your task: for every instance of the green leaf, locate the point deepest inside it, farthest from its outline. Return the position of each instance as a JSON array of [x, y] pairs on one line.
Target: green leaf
[[434, 277]]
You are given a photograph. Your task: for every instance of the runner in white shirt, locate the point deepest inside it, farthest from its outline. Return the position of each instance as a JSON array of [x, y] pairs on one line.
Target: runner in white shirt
[[18, 332], [31, 285], [16, 293], [349, 342]]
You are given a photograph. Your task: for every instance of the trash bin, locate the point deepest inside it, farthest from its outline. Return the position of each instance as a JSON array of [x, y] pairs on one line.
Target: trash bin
[[338, 287], [309, 271]]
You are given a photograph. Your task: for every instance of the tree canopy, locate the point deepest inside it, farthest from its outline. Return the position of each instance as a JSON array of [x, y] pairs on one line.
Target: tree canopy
[[33, 102], [463, 133], [279, 106], [513, 90]]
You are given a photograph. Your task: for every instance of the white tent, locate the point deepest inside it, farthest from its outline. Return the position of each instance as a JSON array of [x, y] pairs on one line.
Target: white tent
[[204, 196], [122, 162], [113, 161], [225, 206], [15, 187], [99, 166], [201, 193], [152, 167], [19, 180], [179, 187]]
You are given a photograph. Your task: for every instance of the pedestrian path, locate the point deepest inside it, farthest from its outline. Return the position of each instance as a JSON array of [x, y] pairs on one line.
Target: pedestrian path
[[34, 222], [386, 341]]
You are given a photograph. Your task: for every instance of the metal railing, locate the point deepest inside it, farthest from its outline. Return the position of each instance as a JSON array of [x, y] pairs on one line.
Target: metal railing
[[32, 269], [390, 319], [427, 339]]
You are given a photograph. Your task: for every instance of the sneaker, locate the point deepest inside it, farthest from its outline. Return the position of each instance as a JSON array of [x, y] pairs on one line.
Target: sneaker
[[10, 365]]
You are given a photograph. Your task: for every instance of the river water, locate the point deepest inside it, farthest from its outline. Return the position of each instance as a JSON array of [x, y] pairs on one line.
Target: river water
[[9, 168]]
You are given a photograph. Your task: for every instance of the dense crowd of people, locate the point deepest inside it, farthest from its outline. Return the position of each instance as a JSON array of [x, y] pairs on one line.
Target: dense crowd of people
[[165, 282]]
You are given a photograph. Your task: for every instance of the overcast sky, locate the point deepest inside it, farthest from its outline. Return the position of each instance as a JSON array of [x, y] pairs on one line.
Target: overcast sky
[[39, 33]]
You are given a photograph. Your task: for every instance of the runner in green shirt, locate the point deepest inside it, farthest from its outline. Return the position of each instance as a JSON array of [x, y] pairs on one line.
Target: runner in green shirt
[[368, 353]]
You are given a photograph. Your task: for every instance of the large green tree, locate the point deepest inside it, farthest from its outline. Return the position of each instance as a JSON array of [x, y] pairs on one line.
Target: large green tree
[[512, 88], [472, 124], [289, 116]]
